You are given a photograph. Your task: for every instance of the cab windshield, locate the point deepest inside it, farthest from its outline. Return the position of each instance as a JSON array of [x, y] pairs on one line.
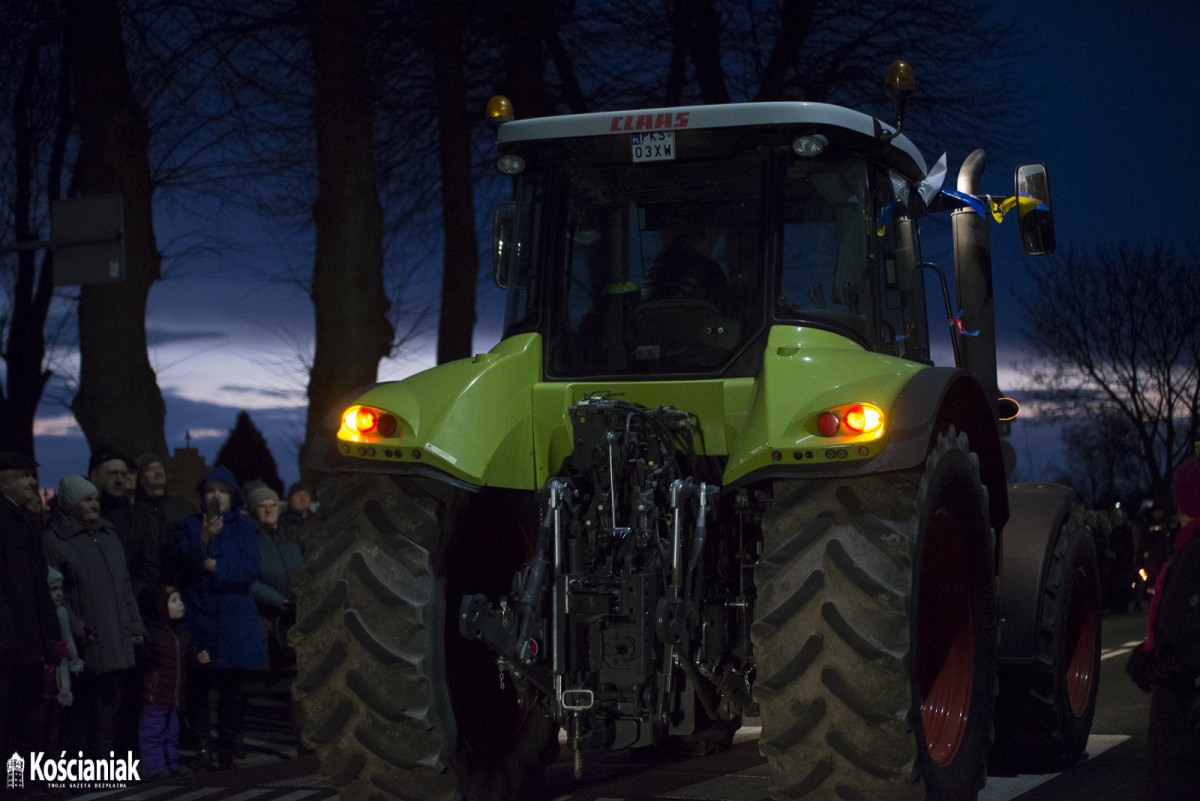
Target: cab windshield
[[680, 267]]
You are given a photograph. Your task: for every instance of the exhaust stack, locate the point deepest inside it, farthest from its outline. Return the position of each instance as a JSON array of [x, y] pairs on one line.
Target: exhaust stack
[[973, 281]]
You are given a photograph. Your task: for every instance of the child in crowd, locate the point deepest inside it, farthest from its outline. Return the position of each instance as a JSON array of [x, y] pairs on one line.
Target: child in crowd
[[168, 655], [58, 693]]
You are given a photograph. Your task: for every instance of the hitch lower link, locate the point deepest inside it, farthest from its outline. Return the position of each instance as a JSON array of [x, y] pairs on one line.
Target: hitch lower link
[[506, 629]]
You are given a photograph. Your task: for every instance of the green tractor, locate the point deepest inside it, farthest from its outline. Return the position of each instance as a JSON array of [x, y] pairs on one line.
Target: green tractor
[[709, 473]]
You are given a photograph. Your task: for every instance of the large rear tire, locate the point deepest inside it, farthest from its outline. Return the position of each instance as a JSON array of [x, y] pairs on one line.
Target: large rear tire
[[875, 636], [397, 704], [1045, 709]]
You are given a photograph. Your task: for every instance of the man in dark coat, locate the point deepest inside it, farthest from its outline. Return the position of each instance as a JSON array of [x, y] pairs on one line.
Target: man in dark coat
[[109, 470], [1123, 572], [299, 507], [28, 624], [685, 267], [164, 509], [112, 473]]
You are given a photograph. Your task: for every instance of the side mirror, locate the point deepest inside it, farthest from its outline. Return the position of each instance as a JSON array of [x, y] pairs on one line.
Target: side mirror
[[503, 235], [1035, 218]]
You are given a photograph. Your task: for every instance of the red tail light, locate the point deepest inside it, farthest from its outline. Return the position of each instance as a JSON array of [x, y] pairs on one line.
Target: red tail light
[[850, 420], [361, 422]]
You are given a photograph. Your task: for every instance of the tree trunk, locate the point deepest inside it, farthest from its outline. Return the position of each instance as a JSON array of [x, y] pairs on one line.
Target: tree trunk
[[698, 26], [460, 251], [352, 329], [118, 402], [794, 27], [25, 345], [518, 26]]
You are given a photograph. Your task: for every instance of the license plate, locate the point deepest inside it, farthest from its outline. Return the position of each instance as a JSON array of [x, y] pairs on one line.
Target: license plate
[[654, 146]]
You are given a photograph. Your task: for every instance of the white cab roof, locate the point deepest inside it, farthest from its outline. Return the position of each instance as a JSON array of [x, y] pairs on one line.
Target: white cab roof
[[697, 117]]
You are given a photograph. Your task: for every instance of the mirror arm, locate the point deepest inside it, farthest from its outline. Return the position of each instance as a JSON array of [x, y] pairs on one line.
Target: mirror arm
[[944, 202]]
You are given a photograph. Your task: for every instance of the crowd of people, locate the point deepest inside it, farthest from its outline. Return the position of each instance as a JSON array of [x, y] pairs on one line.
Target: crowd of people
[[1131, 550], [123, 610]]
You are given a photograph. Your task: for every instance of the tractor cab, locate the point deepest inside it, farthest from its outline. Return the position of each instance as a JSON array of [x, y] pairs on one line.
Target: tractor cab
[[639, 250]]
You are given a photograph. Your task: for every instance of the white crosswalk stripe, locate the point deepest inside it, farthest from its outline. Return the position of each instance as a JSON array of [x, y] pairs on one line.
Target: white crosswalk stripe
[[745, 785], [1126, 647]]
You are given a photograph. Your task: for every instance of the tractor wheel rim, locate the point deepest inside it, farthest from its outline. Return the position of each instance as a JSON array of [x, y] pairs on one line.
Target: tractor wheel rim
[[1081, 640], [946, 649]]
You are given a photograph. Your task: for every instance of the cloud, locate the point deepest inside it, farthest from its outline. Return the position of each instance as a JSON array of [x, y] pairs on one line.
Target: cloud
[[59, 425], [61, 448], [262, 392], [160, 337], [205, 433]]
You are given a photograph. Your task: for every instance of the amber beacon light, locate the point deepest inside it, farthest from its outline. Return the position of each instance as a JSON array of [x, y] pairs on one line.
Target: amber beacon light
[[499, 111]]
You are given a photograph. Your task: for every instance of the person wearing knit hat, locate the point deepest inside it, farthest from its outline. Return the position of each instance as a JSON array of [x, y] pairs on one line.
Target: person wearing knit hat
[[65, 663], [85, 548], [258, 492], [1173, 646], [300, 502], [145, 460], [71, 662], [279, 559], [73, 489], [299, 486]]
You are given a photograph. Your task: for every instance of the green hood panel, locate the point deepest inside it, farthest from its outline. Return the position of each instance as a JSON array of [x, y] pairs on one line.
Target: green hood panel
[[806, 371], [491, 420], [469, 418]]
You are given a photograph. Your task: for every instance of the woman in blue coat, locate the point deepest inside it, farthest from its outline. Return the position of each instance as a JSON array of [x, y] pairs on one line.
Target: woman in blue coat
[[218, 563]]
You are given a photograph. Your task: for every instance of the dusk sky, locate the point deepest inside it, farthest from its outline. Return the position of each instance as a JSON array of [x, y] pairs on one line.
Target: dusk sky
[[1109, 107]]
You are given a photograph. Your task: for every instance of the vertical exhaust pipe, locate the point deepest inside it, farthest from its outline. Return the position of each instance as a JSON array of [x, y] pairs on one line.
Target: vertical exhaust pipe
[[973, 281]]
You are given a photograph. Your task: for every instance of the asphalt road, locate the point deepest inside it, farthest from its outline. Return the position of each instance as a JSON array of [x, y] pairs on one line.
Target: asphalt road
[[1114, 769]]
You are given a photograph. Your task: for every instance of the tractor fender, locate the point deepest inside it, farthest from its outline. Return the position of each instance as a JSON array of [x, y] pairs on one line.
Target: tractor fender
[[1038, 512], [932, 399], [467, 420]]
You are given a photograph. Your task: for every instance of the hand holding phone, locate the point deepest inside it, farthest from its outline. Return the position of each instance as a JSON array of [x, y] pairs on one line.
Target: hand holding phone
[[213, 522]]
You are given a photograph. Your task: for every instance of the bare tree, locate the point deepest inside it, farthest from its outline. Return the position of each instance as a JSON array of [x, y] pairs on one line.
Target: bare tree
[[460, 248], [831, 51], [39, 118], [352, 328], [274, 103], [119, 401], [1102, 458], [557, 58], [228, 90], [1115, 333], [697, 39]]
